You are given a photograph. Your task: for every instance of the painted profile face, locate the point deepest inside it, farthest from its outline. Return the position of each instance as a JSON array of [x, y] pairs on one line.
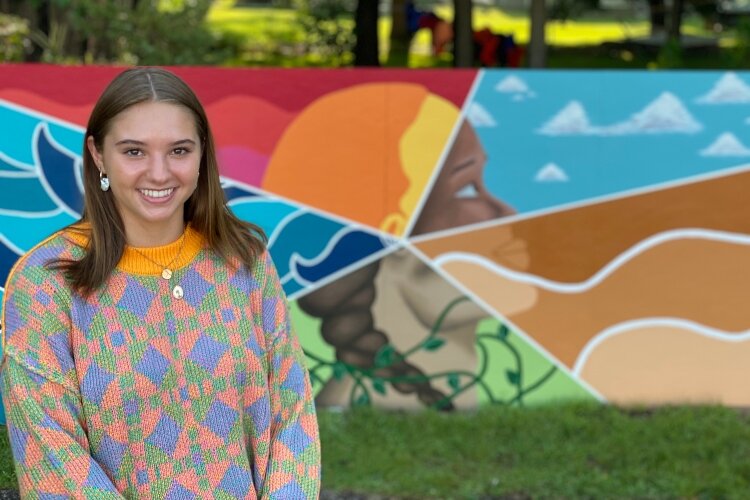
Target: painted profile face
[[151, 155], [459, 196]]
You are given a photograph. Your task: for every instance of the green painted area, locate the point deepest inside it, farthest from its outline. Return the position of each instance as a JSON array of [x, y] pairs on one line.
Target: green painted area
[[316, 349], [509, 371], [517, 373]]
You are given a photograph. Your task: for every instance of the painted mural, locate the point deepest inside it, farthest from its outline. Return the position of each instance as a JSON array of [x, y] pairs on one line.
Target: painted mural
[[456, 238]]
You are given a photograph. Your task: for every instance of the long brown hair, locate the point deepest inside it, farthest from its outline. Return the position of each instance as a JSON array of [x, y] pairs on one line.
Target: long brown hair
[[205, 210]]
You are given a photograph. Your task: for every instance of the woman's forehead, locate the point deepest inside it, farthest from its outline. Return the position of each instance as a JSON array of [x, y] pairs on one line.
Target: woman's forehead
[[153, 121]]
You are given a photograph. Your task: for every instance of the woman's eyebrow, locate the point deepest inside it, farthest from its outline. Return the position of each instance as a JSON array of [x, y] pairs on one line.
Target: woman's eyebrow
[[141, 143], [130, 141]]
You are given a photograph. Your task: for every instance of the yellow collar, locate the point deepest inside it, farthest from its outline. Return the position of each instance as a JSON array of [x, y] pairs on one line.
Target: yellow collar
[[133, 260]]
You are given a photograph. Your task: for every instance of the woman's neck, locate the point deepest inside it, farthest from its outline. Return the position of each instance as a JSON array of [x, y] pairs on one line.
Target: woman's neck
[[143, 236]]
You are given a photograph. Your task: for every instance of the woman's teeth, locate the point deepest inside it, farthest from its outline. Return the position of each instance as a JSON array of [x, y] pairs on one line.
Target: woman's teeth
[[153, 193]]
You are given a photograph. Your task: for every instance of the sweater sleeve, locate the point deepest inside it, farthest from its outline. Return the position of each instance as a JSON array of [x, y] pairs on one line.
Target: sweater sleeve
[[294, 467], [41, 396]]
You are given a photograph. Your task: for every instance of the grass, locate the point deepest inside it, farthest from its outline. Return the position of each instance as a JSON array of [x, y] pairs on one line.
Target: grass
[[571, 450], [7, 472], [563, 451]]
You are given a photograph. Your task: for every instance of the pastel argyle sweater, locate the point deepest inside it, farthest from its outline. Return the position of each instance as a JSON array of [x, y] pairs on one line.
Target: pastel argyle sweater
[[135, 393]]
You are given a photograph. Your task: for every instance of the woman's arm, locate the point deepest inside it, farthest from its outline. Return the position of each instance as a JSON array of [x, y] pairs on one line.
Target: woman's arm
[[50, 447], [294, 467], [41, 396]]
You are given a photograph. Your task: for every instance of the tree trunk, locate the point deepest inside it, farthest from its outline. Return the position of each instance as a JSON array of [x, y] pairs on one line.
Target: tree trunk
[[400, 40], [537, 41], [463, 34], [40, 20], [657, 16], [366, 31], [675, 20]]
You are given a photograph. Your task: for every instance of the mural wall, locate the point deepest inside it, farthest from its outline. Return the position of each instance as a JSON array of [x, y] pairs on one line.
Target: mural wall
[[456, 238]]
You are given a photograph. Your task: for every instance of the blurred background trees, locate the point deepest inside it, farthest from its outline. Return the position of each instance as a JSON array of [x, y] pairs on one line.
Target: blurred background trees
[[148, 32], [333, 33]]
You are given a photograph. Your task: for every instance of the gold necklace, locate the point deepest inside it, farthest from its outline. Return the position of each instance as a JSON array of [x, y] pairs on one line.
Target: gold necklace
[[166, 272]]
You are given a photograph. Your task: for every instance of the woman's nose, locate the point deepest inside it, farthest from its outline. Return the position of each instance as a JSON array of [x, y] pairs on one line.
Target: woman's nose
[[159, 168]]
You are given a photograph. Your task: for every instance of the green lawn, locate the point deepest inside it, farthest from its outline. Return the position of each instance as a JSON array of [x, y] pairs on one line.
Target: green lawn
[[565, 451]]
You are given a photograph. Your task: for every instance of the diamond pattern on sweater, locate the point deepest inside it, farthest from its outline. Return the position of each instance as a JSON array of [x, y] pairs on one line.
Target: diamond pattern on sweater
[[165, 435], [133, 290], [295, 379], [198, 289], [235, 482], [96, 382], [260, 411], [110, 453], [58, 344], [153, 366], [295, 438], [179, 492], [18, 440], [220, 418], [150, 397], [52, 496], [207, 352], [289, 490]]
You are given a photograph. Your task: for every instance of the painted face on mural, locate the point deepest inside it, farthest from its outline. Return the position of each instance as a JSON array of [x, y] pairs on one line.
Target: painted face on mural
[[459, 196], [151, 155]]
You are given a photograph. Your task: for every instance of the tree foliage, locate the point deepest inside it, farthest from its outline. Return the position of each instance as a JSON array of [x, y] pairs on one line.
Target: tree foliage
[[147, 32], [329, 30], [14, 41]]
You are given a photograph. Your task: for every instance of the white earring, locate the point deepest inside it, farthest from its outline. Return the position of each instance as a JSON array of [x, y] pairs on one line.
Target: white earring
[[103, 181]]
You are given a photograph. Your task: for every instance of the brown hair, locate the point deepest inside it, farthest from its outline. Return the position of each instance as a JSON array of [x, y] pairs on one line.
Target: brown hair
[[205, 210]]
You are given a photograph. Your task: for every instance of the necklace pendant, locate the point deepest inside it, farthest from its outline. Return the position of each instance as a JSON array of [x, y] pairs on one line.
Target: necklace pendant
[[166, 274]]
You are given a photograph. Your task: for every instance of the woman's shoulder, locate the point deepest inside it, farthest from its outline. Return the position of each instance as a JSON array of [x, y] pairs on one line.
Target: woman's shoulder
[[36, 264], [252, 276]]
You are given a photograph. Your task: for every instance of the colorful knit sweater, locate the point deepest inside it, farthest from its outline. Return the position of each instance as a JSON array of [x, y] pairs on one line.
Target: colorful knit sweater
[[134, 393]]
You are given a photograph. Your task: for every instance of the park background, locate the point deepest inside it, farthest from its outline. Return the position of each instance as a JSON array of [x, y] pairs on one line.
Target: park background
[[544, 269]]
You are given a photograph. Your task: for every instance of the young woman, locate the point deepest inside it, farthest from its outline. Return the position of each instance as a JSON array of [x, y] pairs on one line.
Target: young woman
[[147, 348]]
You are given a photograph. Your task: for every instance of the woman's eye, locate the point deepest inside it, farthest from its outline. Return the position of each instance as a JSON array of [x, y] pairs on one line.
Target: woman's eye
[[468, 191], [180, 151], [133, 152]]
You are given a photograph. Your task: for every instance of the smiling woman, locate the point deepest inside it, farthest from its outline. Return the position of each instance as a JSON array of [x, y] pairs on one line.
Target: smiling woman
[[147, 347], [150, 159]]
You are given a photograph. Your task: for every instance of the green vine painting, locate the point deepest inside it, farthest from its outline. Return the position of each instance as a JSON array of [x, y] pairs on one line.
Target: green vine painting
[[509, 370]]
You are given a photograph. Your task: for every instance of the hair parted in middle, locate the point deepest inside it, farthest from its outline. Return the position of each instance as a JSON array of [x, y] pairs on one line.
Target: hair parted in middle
[[206, 210]]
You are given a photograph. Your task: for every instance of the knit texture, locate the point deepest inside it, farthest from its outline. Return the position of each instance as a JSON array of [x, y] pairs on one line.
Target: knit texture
[[133, 393]]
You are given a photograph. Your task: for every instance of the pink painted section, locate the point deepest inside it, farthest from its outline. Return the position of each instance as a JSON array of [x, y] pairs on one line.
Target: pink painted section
[[242, 164]]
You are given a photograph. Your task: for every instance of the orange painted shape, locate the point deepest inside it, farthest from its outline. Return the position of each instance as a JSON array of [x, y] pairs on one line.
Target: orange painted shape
[[341, 153], [572, 245]]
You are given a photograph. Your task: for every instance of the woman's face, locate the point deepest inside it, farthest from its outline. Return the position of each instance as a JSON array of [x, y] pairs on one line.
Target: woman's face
[[151, 155], [459, 196]]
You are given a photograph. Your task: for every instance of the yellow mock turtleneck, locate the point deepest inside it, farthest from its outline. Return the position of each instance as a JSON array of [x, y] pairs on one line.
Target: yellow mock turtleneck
[[133, 260], [178, 253]]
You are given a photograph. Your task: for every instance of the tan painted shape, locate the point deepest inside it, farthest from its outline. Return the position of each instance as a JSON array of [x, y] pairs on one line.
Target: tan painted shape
[[662, 365], [572, 245], [703, 281], [410, 298]]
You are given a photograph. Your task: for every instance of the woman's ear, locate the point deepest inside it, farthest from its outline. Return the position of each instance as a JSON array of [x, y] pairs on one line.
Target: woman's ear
[[95, 154]]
